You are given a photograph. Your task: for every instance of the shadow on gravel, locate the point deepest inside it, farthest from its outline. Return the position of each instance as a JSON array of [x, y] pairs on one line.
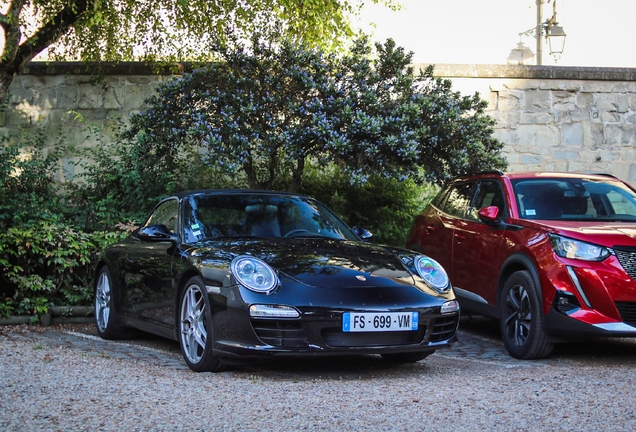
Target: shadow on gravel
[[604, 351]]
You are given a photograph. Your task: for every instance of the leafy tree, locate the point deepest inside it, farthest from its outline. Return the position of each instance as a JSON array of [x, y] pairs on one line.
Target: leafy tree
[[269, 109], [112, 30]]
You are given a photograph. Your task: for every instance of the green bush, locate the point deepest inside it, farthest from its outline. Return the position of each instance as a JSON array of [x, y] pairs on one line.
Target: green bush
[[29, 165], [48, 263], [386, 207]]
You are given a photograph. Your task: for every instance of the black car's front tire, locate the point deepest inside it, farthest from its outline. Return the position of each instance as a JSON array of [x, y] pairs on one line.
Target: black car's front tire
[[104, 303], [195, 328], [521, 319]]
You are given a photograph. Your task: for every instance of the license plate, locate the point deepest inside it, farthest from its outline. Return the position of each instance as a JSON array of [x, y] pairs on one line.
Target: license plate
[[378, 322]]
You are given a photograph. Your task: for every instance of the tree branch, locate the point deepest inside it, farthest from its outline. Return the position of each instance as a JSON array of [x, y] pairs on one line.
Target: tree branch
[[50, 32]]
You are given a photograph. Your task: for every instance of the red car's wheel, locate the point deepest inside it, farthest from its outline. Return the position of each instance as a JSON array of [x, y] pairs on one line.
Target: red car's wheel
[[521, 319]]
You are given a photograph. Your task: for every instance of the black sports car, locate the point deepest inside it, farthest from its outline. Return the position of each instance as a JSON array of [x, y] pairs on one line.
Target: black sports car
[[241, 274]]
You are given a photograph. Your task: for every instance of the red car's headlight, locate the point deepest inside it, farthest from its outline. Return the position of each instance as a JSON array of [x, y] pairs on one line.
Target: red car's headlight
[[575, 249]]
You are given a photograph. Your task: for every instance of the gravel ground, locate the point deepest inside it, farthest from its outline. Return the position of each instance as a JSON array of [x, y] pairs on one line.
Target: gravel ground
[[54, 380]]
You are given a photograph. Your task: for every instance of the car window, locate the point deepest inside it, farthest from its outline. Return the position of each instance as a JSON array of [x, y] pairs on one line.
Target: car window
[[488, 194], [210, 216], [459, 198], [575, 199], [165, 214]]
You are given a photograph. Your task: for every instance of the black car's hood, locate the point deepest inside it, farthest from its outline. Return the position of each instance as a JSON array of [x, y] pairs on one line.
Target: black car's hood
[[321, 261]]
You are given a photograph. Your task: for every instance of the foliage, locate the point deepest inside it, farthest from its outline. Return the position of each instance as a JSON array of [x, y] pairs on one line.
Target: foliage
[[46, 253], [121, 181], [48, 262], [270, 109], [29, 165], [386, 207], [114, 30]]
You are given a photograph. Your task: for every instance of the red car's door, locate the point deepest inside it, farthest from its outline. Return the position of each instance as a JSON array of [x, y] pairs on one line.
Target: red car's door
[[436, 228], [476, 246]]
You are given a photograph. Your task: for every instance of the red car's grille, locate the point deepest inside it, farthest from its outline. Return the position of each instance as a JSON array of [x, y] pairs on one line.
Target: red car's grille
[[288, 334], [627, 311], [627, 258]]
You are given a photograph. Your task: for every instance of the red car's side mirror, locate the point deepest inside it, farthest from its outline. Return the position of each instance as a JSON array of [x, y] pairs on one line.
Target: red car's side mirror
[[489, 214]]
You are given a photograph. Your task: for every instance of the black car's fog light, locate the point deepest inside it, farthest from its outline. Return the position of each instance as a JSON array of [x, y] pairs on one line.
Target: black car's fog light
[[566, 303], [273, 311], [450, 307]]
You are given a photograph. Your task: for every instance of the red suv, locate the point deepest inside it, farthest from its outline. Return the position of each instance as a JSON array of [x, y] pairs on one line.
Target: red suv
[[551, 255]]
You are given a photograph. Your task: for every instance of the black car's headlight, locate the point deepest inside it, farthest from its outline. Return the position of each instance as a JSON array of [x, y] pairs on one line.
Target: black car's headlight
[[432, 272], [254, 274], [575, 249]]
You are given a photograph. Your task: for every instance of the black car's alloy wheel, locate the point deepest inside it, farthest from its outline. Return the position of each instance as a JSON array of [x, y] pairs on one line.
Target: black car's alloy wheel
[[521, 319], [195, 328], [105, 321]]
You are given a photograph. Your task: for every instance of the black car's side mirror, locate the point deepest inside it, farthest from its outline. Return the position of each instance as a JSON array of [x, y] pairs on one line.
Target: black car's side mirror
[[489, 215], [156, 233], [363, 233]]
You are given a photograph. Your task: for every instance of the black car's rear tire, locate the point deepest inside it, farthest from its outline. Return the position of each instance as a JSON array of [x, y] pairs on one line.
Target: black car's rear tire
[[104, 304], [195, 328], [406, 357], [521, 319]]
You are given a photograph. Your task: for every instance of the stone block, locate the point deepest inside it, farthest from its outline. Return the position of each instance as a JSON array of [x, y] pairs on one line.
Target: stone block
[[593, 135], [559, 166], [536, 139], [113, 97], [90, 96], [622, 103], [537, 101], [564, 101], [575, 166], [542, 118], [610, 117], [572, 134], [565, 155], [512, 158], [67, 97], [606, 102], [531, 160], [598, 86], [45, 98], [509, 101], [20, 96], [632, 173], [135, 96], [508, 119], [584, 101]]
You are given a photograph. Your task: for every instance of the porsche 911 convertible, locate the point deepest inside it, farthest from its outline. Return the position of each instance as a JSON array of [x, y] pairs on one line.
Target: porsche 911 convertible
[[237, 275]]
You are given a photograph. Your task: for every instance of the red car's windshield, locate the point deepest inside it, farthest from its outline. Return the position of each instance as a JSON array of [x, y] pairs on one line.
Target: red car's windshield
[[574, 199]]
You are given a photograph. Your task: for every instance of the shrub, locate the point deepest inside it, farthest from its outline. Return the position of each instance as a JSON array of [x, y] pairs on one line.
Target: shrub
[[29, 165], [47, 263], [386, 207]]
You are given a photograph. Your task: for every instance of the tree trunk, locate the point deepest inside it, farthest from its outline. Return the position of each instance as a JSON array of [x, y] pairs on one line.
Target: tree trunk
[[297, 175], [5, 81]]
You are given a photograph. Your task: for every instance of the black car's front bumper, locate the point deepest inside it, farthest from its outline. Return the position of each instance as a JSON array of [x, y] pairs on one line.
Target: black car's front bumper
[[322, 334]]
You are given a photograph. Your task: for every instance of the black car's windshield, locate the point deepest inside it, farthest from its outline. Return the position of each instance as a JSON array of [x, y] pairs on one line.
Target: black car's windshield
[[217, 216], [575, 199]]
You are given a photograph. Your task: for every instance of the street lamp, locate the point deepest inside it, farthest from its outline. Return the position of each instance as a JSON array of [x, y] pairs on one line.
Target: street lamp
[[553, 32]]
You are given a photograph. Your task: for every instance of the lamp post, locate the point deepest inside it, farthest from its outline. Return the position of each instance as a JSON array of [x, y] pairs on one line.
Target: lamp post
[[554, 34]]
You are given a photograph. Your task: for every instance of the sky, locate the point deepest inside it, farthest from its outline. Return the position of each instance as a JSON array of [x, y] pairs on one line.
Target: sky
[[599, 32]]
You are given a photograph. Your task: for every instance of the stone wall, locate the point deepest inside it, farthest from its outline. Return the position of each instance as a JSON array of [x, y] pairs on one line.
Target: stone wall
[[558, 118], [550, 118], [67, 98]]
